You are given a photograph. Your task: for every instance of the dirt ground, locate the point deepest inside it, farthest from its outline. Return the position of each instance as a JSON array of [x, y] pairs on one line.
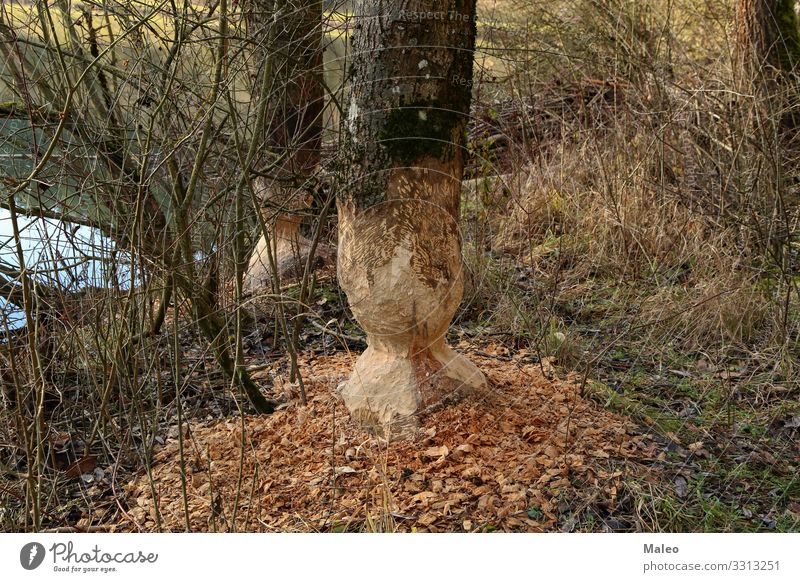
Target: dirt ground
[[531, 456]]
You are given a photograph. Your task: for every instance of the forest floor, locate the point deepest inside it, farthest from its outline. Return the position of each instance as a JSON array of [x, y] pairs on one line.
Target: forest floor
[[533, 455], [626, 448], [642, 437], [544, 450]]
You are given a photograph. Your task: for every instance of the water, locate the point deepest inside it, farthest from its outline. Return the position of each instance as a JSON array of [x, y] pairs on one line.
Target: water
[[60, 255]]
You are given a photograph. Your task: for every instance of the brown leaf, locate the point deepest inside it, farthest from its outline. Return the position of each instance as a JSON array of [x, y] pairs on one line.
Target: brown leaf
[[424, 496], [84, 465], [428, 519], [681, 486], [436, 452], [533, 434], [59, 439], [694, 447], [551, 452], [507, 427]]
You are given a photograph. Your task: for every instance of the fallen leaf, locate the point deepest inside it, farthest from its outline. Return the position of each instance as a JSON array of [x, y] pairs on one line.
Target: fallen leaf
[[769, 521], [428, 519], [681, 486], [704, 367], [82, 466], [436, 452], [59, 439], [569, 525], [424, 496], [533, 434]]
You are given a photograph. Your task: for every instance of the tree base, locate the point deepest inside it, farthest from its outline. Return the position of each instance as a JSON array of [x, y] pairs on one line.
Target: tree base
[[389, 393], [291, 256]]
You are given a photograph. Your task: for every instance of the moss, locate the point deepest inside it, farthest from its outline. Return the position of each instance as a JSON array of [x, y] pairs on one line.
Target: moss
[[11, 108], [415, 131]]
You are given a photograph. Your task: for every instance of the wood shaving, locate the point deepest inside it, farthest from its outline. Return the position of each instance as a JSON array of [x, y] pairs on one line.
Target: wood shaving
[[504, 462]]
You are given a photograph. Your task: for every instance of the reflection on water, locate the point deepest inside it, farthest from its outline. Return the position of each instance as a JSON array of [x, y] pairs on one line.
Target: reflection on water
[[61, 256]]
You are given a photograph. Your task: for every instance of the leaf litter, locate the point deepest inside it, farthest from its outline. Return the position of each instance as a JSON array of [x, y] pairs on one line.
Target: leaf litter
[[531, 455]]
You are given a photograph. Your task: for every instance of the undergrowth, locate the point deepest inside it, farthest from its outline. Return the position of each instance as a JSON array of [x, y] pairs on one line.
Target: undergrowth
[[630, 215]]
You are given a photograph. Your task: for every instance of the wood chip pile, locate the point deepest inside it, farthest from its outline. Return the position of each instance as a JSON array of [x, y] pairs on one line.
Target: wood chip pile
[[521, 459]]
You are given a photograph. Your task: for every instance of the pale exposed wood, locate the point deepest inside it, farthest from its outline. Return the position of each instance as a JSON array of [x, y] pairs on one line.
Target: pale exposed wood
[[399, 246]]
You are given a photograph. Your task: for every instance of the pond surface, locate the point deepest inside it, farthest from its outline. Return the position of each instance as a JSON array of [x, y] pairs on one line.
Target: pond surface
[[59, 255]]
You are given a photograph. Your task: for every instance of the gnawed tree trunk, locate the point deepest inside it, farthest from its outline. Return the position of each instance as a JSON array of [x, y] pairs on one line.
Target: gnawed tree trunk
[[399, 255], [293, 130]]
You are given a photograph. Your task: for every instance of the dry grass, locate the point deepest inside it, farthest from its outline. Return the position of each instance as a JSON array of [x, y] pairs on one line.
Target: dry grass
[[639, 163]]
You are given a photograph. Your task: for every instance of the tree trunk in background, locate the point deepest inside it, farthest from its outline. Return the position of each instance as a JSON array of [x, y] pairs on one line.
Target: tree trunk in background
[[768, 52], [294, 127], [399, 243], [767, 35]]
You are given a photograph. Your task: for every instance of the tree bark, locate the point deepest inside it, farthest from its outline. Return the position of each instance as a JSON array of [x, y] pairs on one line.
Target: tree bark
[[293, 130], [767, 35], [768, 52], [399, 255]]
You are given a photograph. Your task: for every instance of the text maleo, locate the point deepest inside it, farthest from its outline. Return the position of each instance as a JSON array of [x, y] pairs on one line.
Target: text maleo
[[662, 549]]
